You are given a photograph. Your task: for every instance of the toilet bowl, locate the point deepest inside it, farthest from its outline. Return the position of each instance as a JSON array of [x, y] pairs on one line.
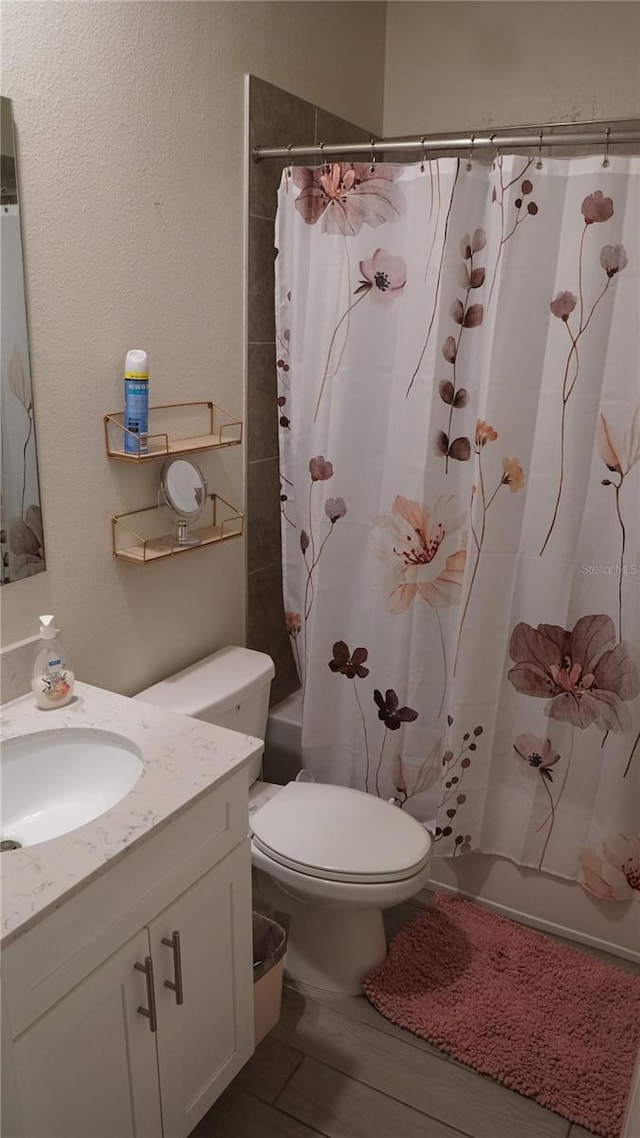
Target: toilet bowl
[[337, 857]]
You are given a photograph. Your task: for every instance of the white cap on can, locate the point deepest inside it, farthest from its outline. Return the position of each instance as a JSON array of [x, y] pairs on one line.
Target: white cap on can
[[136, 363]]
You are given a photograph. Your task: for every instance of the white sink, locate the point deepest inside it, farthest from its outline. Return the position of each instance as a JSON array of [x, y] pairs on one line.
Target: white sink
[[55, 781]]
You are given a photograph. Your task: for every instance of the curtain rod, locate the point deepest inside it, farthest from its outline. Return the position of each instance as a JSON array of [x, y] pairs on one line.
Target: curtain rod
[[423, 143]]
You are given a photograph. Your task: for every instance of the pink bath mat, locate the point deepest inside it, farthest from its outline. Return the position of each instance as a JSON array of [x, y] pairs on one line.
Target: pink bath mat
[[548, 1021]]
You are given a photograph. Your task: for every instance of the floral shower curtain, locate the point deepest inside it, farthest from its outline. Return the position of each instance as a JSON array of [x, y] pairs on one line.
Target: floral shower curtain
[[459, 401]]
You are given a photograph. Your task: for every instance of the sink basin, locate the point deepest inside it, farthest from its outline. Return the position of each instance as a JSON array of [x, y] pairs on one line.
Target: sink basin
[[55, 781]]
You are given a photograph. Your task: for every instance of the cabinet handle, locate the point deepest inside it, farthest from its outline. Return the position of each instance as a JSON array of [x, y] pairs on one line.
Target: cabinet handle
[[176, 984], [149, 1012]]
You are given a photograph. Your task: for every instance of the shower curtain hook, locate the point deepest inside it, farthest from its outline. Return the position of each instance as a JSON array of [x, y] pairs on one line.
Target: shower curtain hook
[[372, 166], [539, 162], [324, 160], [292, 161], [605, 160], [496, 149], [473, 142], [424, 153]]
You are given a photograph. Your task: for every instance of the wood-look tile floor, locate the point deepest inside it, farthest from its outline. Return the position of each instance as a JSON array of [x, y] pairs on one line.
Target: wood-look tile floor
[[333, 1066]]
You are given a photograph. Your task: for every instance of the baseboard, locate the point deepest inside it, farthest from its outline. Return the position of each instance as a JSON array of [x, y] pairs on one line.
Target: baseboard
[[423, 898]]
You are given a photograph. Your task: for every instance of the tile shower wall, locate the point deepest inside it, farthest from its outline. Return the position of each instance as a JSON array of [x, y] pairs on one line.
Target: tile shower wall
[[276, 118]]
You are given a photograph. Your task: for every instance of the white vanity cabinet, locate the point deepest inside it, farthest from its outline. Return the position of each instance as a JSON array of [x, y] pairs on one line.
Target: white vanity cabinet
[[88, 1066], [203, 1041], [130, 1008]]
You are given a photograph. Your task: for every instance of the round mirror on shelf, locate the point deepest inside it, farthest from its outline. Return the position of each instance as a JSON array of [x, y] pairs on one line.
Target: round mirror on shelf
[[184, 489]]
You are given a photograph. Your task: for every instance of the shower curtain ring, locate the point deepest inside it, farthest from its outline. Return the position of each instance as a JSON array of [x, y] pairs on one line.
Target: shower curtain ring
[[324, 160], [372, 166], [605, 160], [292, 161], [473, 142], [424, 153], [539, 162]]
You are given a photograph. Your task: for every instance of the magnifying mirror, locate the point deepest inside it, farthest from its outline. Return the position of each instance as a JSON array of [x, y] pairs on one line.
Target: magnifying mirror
[[184, 489]]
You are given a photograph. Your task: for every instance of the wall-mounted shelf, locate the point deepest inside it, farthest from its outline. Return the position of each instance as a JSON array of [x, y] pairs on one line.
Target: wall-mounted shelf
[[145, 536], [174, 428]]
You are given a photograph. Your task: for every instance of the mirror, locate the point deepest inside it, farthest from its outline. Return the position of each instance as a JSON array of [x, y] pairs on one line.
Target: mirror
[[21, 537], [184, 489]]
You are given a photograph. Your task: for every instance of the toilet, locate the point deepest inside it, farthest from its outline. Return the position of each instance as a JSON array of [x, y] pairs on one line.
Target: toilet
[[338, 857]]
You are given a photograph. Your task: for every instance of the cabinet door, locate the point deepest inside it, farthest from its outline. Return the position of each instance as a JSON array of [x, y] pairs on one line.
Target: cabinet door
[[204, 1041], [88, 1067]]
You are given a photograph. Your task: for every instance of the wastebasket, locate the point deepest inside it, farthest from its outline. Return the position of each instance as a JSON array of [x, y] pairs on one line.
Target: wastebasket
[[269, 947]]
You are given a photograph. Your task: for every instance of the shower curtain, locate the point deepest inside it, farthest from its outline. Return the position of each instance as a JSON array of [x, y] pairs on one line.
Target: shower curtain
[[459, 406]]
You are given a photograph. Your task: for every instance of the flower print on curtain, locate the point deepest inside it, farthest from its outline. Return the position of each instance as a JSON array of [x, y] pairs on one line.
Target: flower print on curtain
[[344, 196], [382, 277], [596, 208], [461, 534]]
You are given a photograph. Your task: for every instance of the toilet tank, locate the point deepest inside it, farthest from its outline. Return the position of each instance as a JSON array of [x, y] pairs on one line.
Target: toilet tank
[[230, 688]]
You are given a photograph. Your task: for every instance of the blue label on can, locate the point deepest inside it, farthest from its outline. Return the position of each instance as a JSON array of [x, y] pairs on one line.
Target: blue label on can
[[136, 415]]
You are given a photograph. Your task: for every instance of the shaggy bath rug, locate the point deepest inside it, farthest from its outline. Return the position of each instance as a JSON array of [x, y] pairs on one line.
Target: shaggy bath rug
[[551, 1022]]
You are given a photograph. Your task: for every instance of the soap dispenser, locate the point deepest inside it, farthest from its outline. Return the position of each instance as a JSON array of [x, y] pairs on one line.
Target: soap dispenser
[[51, 678]]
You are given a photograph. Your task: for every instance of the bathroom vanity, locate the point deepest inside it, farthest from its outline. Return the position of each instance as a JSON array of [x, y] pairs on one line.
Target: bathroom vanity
[[127, 962]]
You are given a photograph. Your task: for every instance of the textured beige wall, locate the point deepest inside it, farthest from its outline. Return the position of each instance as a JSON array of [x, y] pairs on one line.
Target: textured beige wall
[[456, 66], [130, 124]]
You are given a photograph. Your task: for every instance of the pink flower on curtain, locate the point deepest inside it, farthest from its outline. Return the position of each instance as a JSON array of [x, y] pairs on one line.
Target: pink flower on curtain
[[614, 873], [484, 433], [348, 195], [410, 779], [335, 508], [513, 475], [596, 207], [563, 305], [613, 259], [538, 753], [293, 622], [320, 469], [384, 275], [585, 675], [424, 551], [619, 454]]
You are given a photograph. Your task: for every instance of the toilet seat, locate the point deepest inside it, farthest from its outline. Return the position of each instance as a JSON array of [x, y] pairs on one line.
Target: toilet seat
[[339, 834]]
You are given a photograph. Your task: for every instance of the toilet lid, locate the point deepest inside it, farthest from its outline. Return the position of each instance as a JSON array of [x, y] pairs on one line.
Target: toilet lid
[[340, 834]]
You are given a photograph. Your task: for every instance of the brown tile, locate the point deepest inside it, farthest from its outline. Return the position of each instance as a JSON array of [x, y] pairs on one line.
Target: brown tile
[[276, 118], [340, 1107], [285, 682], [263, 514], [262, 408], [266, 1073], [266, 630], [260, 306], [239, 1115], [330, 128]]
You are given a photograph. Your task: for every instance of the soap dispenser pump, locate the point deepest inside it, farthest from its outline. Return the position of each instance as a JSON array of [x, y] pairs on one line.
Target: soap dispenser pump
[[51, 678]]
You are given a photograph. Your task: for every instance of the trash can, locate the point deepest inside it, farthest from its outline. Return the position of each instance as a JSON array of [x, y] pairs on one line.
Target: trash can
[[269, 947]]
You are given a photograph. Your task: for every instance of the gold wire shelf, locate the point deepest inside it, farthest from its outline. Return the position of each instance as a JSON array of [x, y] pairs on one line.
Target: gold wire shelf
[[174, 428], [143, 537]]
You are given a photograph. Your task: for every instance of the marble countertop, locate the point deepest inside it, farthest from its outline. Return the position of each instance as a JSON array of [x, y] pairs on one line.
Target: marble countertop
[[182, 759]]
